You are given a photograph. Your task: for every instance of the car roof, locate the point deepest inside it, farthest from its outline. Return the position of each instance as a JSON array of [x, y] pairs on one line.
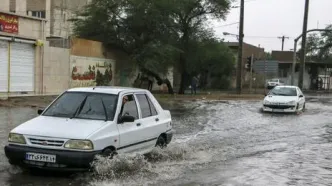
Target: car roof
[[288, 86], [107, 89]]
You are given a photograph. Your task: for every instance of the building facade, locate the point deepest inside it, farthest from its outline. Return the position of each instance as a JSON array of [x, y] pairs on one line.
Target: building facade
[[57, 12], [21, 52], [248, 50]]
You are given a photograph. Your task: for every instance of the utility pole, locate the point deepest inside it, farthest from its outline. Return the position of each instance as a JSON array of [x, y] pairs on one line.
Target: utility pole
[[304, 41], [283, 41], [239, 59], [251, 64]]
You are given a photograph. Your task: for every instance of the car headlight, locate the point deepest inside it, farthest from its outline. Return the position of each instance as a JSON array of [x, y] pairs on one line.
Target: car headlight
[[79, 144], [291, 102], [16, 138]]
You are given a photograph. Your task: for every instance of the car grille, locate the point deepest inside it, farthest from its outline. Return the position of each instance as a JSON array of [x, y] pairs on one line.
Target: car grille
[[279, 106], [46, 142]]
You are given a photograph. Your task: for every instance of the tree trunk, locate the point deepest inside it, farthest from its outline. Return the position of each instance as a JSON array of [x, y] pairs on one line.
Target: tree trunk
[[160, 81], [183, 83], [184, 74]]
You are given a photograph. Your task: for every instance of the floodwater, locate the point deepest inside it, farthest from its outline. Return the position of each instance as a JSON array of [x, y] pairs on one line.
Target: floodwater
[[216, 143]]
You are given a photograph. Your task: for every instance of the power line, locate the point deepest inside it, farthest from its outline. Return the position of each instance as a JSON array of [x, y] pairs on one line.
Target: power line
[[226, 25], [283, 41]]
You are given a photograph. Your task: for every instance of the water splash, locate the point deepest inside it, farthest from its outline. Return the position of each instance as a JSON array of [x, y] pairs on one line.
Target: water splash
[[158, 165]]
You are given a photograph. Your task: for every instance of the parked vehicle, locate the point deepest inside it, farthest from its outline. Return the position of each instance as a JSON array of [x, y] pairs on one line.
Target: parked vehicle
[[84, 122], [284, 99], [274, 82]]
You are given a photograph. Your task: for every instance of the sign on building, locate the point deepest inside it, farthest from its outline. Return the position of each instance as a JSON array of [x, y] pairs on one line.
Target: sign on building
[[8, 23]]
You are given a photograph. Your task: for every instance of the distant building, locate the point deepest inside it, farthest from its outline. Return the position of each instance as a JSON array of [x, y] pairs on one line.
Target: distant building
[[248, 51]]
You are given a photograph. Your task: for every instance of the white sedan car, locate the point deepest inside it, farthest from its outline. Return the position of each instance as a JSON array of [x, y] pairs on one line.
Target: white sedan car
[[284, 99], [84, 122]]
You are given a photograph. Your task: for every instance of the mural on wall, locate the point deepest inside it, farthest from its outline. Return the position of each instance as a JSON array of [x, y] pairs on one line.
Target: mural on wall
[[91, 72]]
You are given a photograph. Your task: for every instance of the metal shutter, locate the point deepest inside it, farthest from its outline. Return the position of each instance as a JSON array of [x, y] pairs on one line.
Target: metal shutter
[[22, 60], [3, 66]]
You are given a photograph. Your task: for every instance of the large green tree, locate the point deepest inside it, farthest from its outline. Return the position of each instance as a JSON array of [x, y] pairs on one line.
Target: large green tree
[[157, 34], [189, 17], [319, 46]]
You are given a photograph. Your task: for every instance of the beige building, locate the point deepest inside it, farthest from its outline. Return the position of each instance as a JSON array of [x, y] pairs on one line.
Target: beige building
[[57, 12], [21, 51], [61, 62]]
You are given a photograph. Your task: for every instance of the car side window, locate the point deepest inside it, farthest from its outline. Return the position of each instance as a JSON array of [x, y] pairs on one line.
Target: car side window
[[300, 92], [152, 107], [144, 105], [129, 106]]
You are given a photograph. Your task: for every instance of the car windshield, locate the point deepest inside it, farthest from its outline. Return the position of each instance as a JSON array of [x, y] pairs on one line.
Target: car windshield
[[84, 105], [274, 80], [283, 91]]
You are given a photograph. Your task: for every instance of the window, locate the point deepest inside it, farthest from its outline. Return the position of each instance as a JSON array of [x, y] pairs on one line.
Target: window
[[283, 91], [129, 106], [39, 14], [84, 106], [153, 109], [146, 106]]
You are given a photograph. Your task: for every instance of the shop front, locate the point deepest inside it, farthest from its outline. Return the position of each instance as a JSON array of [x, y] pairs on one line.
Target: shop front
[[18, 56]]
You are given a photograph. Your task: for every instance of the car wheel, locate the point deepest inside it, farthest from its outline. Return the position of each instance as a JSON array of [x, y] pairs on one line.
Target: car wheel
[[161, 142], [108, 153]]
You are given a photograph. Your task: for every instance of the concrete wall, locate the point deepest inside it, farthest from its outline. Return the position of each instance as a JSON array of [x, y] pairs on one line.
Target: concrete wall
[[56, 70], [87, 58], [36, 5], [61, 11], [5, 5]]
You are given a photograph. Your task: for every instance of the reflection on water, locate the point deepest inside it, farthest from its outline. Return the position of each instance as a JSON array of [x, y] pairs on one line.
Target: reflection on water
[[216, 143]]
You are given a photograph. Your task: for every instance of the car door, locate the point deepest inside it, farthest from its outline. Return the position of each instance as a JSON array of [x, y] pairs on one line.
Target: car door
[[150, 119], [131, 137]]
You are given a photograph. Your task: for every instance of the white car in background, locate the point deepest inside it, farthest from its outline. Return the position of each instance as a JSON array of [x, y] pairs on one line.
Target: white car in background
[[84, 122], [284, 99], [274, 82]]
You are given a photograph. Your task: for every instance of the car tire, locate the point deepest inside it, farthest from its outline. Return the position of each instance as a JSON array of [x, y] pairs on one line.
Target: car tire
[[161, 142], [108, 153], [303, 106]]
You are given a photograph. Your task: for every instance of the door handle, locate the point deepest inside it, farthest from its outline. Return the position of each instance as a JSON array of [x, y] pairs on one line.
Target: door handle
[[138, 124], [157, 119]]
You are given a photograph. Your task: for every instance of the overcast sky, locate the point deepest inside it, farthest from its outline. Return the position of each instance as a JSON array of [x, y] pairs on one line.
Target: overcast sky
[[266, 20]]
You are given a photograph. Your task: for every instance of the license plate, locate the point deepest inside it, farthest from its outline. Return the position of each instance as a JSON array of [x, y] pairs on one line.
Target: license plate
[[40, 157], [277, 110]]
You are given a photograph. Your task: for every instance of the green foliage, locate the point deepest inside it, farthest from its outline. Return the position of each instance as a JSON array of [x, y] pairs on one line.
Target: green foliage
[[160, 33], [319, 46]]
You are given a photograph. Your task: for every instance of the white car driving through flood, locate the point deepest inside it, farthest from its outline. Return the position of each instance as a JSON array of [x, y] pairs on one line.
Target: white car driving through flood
[[284, 99], [84, 122]]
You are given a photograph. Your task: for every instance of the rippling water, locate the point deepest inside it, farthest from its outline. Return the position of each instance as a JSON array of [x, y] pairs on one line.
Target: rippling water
[[216, 143]]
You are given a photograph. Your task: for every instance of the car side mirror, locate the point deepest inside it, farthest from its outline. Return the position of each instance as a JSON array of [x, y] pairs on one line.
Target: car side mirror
[[40, 111], [301, 96], [124, 119]]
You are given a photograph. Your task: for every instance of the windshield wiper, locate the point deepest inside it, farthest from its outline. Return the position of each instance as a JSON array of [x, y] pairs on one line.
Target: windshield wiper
[[78, 110], [105, 110]]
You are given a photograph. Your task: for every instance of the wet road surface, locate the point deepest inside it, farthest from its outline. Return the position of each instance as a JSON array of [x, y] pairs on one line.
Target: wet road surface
[[216, 143]]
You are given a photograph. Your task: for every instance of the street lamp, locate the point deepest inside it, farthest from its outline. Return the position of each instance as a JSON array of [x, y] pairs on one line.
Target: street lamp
[[295, 46]]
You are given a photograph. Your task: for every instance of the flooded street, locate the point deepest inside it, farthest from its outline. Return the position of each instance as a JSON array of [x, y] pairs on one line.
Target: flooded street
[[215, 143]]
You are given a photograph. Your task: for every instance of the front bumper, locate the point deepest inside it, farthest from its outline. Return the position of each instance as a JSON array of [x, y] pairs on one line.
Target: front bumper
[[169, 136], [65, 160], [279, 109]]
